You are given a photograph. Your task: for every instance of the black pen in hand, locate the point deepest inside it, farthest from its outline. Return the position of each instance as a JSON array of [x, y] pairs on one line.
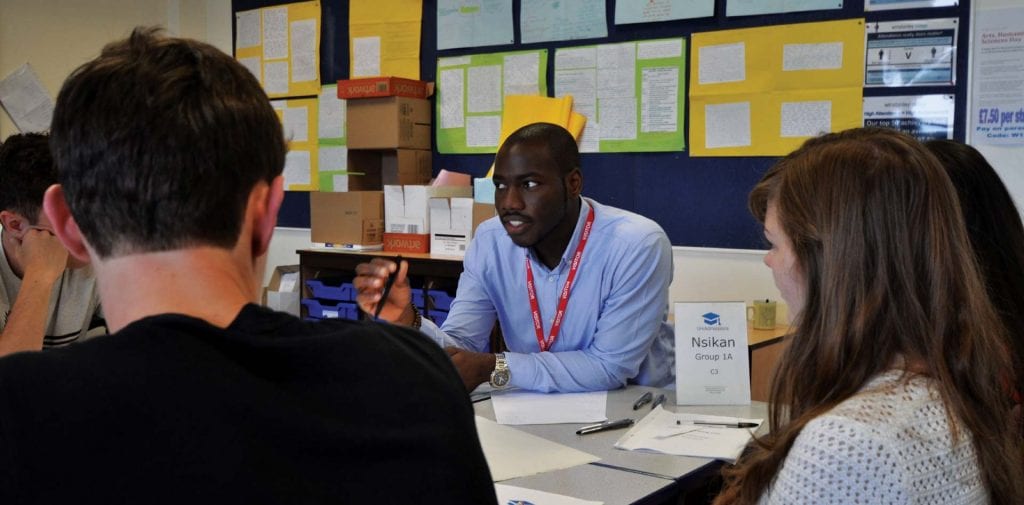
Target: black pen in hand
[[387, 287], [605, 426]]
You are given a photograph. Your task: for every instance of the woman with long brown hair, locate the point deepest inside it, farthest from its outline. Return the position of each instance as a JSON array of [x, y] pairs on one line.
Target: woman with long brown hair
[[892, 389]]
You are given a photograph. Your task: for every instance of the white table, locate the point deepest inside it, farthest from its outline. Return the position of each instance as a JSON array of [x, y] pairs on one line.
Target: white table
[[622, 476]]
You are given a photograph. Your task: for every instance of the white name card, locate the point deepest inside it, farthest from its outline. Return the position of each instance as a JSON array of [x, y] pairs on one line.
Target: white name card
[[712, 366]]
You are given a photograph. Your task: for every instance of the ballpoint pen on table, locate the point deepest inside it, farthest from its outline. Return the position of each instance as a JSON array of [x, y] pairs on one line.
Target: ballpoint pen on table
[[607, 425], [387, 287], [658, 401], [643, 400], [739, 424]]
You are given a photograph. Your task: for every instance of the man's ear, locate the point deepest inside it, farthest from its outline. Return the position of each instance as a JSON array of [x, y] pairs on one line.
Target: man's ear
[[267, 204], [64, 225], [574, 182], [14, 223]]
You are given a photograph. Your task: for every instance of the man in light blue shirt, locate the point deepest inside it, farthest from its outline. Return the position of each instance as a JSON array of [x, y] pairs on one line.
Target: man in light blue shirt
[[607, 327]]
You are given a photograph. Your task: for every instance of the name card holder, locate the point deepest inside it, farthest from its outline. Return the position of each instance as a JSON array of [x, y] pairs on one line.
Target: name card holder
[[712, 364]]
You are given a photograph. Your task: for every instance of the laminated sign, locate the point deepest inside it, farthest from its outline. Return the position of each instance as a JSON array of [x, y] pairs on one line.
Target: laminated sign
[[712, 365]]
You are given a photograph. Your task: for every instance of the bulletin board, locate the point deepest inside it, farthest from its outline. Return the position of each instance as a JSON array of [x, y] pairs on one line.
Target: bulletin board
[[279, 45], [699, 201]]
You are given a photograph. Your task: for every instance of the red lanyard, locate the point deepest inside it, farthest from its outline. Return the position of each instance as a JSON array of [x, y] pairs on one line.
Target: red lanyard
[[563, 300]]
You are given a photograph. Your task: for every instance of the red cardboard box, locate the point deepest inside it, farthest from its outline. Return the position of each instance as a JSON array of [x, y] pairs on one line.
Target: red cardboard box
[[383, 86], [407, 242]]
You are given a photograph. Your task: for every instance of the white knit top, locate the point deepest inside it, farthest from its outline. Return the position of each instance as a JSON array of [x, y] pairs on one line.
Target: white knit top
[[889, 443]]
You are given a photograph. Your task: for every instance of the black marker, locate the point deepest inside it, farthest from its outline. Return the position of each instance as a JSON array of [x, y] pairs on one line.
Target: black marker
[[643, 400], [387, 287], [607, 425]]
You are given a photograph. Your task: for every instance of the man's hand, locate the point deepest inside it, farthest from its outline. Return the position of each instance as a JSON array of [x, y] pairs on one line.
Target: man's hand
[[474, 367], [42, 256], [369, 283], [43, 259]]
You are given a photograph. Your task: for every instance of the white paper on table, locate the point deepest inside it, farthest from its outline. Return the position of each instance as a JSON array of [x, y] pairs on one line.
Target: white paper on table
[[511, 453], [522, 407], [659, 432], [516, 494]]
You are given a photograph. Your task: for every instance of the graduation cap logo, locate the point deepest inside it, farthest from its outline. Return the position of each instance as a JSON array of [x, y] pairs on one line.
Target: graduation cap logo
[[711, 319]]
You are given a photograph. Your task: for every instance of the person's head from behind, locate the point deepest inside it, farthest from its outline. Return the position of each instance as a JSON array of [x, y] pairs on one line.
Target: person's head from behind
[[996, 233], [163, 144], [870, 249], [537, 183], [26, 171]]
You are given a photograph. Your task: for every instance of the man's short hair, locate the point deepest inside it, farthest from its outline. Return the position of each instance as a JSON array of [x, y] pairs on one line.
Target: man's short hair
[[558, 142], [159, 142], [26, 170]]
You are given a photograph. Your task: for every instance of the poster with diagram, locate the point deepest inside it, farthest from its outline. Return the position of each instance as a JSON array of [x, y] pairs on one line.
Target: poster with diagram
[[911, 53]]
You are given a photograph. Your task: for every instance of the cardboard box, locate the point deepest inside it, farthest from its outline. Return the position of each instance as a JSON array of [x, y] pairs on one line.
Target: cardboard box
[[407, 210], [384, 86], [371, 169], [282, 292], [388, 123], [453, 222], [355, 217]]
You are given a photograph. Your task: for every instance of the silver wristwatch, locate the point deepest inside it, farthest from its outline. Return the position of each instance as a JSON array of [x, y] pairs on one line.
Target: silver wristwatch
[[501, 375]]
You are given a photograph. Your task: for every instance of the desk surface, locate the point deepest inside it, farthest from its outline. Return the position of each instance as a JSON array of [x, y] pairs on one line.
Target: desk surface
[[601, 444], [598, 483]]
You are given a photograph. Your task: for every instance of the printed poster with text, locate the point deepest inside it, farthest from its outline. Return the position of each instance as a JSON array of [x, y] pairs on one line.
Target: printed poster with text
[[653, 11], [332, 150], [471, 94], [299, 120], [763, 91], [997, 98], [384, 38], [925, 117], [756, 7], [281, 47], [631, 94]]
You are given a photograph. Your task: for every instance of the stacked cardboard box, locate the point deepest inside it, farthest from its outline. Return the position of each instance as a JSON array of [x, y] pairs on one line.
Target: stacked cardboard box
[[388, 142], [407, 215]]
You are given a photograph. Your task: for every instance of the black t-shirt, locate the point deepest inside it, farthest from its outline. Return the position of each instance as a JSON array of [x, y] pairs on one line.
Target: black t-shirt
[[270, 410]]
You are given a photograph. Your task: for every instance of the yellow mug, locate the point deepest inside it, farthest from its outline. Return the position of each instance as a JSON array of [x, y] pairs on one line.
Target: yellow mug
[[762, 315]]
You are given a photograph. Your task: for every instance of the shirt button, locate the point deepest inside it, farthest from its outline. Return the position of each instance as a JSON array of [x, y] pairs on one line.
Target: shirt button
[[551, 278]]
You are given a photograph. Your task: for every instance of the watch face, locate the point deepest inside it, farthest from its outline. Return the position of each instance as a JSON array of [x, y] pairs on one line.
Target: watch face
[[499, 379]]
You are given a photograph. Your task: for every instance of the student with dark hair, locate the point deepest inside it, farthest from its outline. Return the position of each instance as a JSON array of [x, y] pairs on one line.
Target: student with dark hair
[[892, 388], [170, 159], [580, 289], [47, 299], [996, 233]]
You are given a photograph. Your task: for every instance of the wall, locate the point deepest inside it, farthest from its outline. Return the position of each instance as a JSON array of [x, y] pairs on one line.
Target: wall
[[28, 33], [56, 36]]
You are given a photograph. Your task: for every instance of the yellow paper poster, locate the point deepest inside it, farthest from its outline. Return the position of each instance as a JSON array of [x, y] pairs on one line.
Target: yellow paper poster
[[280, 45], [763, 91], [384, 38], [299, 121]]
